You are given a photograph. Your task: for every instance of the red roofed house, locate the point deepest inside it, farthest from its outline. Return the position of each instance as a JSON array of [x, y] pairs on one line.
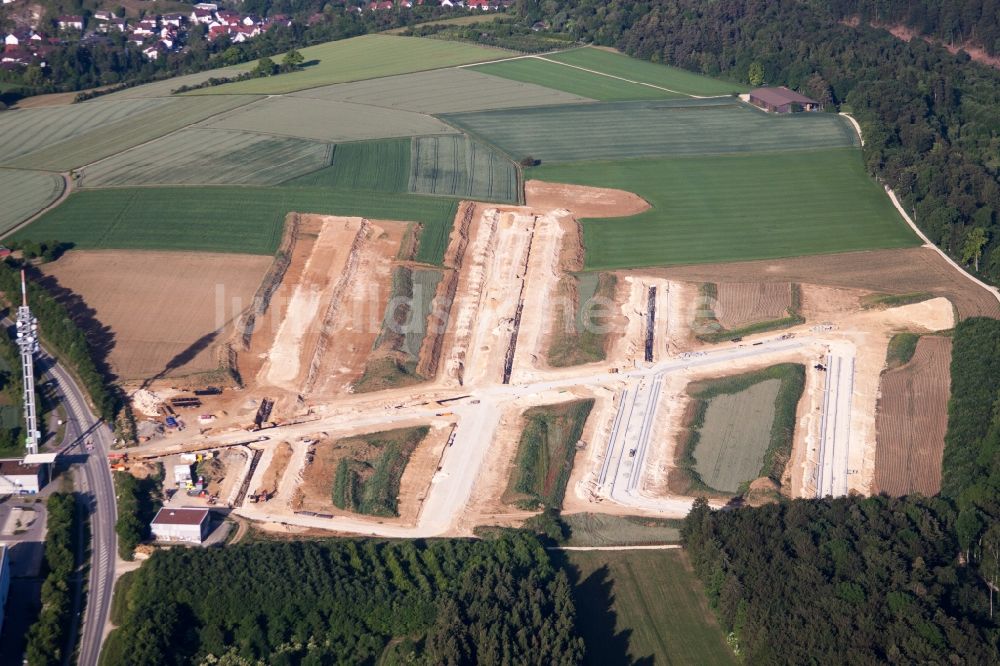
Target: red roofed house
[[189, 525], [478, 4], [782, 100]]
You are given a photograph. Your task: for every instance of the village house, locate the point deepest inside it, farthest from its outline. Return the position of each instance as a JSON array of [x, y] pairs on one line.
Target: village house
[[70, 22]]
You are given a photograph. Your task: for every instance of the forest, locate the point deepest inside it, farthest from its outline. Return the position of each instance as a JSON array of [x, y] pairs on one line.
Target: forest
[[861, 580], [972, 22], [47, 636], [908, 580], [931, 120], [495, 601], [970, 474]]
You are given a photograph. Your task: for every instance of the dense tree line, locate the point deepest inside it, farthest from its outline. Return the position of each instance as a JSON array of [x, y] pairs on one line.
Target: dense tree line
[[112, 60], [65, 337], [47, 636], [976, 22], [495, 601], [138, 502], [850, 580], [971, 470], [930, 119], [505, 33]]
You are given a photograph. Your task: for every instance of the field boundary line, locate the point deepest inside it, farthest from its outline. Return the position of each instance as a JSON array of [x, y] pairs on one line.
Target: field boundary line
[[665, 546], [927, 242], [67, 189], [622, 78]]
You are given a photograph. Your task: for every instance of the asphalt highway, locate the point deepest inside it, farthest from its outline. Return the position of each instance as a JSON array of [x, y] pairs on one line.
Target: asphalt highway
[[98, 488]]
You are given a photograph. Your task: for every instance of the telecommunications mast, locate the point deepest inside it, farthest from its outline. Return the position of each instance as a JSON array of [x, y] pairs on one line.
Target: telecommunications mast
[[27, 342]]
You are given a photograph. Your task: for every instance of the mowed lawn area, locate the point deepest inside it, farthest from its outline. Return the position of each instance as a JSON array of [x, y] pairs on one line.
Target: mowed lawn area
[[665, 76], [645, 607], [359, 58], [227, 219], [544, 72], [736, 207]]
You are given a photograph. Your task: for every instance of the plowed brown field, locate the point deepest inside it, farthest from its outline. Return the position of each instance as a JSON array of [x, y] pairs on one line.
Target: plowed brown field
[[911, 419], [744, 303], [156, 314], [890, 271]]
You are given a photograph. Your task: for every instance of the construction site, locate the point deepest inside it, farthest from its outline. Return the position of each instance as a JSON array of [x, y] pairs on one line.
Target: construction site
[[375, 401]]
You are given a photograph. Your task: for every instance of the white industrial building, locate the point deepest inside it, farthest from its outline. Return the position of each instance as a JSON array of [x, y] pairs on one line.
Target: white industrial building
[[4, 579], [20, 478], [188, 524]]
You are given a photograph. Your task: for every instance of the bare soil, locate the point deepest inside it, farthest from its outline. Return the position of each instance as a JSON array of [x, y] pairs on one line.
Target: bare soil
[[156, 314], [276, 470], [582, 201], [890, 271], [336, 288], [911, 420]]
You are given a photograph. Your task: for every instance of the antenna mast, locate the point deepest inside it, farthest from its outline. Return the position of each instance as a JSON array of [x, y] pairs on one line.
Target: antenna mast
[[27, 342]]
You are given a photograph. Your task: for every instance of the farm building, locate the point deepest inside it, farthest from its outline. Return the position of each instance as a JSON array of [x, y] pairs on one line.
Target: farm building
[[782, 100], [189, 525], [18, 478]]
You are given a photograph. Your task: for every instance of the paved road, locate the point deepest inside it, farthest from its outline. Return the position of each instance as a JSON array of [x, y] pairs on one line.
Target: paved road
[[835, 427], [478, 415], [97, 486]]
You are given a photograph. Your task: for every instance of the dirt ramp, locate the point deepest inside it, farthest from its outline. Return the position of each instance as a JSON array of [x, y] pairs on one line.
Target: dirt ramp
[[583, 201]]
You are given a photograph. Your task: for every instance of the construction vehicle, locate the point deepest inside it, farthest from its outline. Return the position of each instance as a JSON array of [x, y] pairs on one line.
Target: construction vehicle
[[118, 462]]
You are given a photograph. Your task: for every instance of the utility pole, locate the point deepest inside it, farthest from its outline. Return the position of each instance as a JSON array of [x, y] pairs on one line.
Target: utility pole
[[27, 342]]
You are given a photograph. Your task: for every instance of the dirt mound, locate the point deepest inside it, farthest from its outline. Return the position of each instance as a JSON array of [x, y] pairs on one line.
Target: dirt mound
[[583, 201], [891, 271]]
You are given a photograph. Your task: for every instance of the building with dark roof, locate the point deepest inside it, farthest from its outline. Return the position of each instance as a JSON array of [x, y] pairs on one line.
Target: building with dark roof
[[187, 524], [782, 100], [18, 478]]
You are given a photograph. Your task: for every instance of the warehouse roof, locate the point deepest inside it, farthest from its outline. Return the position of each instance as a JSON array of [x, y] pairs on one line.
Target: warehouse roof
[[17, 468], [166, 516], [780, 96]]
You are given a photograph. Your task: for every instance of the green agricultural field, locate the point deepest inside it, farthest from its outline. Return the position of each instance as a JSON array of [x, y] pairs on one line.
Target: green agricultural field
[[360, 58], [620, 130], [618, 64], [734, 436], [741, 429], [733, 208], [227, 219], [367, 478], [460, 167], [324, 120], [209, 157], [105, 137], [24, 193], [645, 607], [545, 454], [450, 90], [603, 529], [28, 130], [581, 336], [379, 166], [543, 72], [167, 86]]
